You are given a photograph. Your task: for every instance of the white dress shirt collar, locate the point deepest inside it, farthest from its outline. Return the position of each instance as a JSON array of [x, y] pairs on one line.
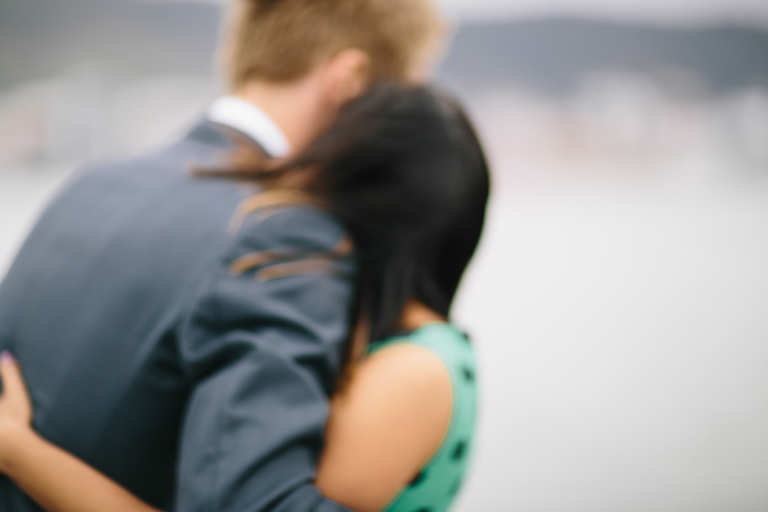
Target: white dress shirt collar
[[252, 121]]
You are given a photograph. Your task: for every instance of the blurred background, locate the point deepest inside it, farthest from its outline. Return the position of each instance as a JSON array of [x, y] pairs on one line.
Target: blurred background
[[619, 302]]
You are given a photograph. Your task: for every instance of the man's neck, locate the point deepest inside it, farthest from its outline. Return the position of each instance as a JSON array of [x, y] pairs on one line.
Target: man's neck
[[295, 107]]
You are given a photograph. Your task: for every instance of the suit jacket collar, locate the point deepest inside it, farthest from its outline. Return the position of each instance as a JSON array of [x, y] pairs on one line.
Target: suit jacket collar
[[249, 119], [220, 136]]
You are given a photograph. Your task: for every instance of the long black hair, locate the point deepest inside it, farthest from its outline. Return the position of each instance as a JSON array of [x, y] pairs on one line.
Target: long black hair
[[403, 170]]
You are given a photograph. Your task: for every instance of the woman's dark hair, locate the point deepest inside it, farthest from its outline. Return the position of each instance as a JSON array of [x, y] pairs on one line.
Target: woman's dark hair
[[403, 170]]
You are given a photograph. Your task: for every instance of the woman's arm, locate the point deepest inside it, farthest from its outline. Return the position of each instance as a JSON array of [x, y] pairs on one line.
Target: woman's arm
[[384, 427], [55, 479]]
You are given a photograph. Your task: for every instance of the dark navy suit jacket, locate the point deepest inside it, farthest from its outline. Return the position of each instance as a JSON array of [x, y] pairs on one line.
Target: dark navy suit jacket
[[188, 358]]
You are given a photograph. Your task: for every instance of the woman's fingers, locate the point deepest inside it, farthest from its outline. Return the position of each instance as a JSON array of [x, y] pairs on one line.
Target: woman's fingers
[[14, 401], [13, 383]]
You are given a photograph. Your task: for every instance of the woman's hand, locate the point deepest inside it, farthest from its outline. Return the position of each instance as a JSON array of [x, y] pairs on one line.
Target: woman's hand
[[15, 407]]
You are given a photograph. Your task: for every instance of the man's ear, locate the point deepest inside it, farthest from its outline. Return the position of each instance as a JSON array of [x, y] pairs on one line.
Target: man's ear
[[347, 76]]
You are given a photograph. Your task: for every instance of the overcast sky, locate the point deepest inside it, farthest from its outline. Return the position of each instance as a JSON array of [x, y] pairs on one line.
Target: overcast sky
[[665, 11], [660, 11]]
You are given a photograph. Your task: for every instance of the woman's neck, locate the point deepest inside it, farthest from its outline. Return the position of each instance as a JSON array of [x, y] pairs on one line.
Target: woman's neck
[[416, 315]]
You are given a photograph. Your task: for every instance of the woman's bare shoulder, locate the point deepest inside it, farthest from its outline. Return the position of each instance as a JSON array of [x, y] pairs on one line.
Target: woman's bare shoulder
[[399, 366], [385, 426]]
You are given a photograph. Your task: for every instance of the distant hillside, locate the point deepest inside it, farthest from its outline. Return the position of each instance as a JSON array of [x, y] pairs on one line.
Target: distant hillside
[[551, 54], [43, 38]]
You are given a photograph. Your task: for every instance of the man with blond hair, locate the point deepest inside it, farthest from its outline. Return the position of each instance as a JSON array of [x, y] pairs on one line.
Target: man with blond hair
[[153, 347]]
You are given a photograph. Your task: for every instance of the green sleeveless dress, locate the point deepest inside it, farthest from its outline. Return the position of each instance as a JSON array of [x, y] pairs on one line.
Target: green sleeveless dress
[[434, 488]]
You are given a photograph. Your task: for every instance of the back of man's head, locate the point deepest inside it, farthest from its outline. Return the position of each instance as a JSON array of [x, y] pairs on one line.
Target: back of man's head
[[283, 40]]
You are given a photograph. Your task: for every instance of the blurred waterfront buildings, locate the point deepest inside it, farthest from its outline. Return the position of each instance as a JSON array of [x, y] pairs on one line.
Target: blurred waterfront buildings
[[86, 114], [610, 121]]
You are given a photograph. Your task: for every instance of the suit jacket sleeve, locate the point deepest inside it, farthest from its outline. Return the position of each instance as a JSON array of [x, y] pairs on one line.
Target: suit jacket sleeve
[[263, 345]]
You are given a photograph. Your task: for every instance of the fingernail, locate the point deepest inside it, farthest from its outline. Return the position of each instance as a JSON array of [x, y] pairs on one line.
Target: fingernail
[[6, 357]]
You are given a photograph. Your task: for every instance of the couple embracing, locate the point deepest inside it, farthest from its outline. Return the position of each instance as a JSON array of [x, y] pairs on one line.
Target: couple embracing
[[256, 318]]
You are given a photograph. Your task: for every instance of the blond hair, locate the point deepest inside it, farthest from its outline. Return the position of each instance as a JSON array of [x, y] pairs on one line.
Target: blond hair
[[283, 40]]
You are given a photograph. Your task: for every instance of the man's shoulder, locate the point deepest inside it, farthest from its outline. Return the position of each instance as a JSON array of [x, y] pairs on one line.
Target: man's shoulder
[[163, 181], [175, 156]]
